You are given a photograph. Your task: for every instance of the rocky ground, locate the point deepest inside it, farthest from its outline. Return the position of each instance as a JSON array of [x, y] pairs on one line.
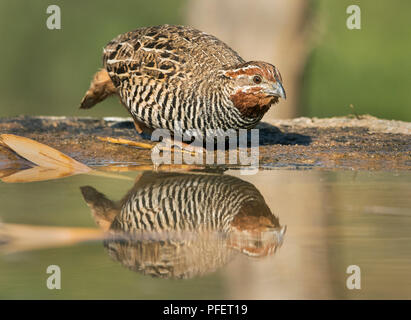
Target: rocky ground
[[354, 143]]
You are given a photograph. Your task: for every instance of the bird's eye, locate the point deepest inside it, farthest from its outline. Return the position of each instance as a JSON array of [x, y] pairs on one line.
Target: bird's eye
[[257, 79]]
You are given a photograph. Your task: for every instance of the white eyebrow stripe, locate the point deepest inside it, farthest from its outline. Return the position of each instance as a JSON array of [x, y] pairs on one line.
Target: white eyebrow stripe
[[246, 68], [111, 61]]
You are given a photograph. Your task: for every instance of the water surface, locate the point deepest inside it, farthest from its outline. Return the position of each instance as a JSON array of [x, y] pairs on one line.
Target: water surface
[[277, 234]]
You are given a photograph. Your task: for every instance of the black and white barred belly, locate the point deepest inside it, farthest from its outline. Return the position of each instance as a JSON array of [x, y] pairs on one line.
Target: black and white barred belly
[[162, 106], [186, 202]]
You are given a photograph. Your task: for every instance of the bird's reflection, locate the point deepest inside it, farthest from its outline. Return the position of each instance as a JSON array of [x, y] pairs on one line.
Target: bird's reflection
[[175, 225]]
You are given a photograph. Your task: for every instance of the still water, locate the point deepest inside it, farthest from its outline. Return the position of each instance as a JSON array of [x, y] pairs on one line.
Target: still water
[[279, 234]]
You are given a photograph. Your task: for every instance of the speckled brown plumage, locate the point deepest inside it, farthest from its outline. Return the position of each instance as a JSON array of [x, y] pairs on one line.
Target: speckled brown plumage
[[175, 75]]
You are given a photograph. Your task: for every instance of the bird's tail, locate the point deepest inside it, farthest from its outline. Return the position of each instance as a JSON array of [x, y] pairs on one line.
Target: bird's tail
[[101, 87], [103, 210]]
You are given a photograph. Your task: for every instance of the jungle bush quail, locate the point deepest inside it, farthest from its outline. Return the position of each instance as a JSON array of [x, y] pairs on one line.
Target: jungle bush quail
[[181, 225], [167, 73]]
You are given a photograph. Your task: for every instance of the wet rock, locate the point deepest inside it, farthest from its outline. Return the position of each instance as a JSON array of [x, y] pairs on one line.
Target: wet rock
[[366, 143]]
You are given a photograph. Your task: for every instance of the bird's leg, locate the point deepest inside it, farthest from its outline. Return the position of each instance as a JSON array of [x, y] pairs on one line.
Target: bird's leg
[[170, 144], [142, 129], [138, 127], [192, 147]]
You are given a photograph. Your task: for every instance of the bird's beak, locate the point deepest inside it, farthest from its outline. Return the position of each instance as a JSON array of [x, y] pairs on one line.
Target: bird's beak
[[277, 90]]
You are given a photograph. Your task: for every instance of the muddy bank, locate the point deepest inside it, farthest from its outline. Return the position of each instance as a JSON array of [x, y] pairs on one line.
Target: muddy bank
[[367, 143]]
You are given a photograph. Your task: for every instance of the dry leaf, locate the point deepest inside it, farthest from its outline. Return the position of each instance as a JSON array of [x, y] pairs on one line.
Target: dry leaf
[[52, 164], [41, 154], [37, 174], [8, 172], [16, 237]]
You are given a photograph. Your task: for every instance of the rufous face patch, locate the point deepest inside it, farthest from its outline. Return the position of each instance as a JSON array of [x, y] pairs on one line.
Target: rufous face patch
[[263, 69]]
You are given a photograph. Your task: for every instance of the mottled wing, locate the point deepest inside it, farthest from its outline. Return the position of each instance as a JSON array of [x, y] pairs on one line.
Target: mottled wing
[[163, 51]]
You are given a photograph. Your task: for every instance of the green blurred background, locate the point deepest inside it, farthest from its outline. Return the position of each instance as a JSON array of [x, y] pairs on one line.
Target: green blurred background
[[46, 72]]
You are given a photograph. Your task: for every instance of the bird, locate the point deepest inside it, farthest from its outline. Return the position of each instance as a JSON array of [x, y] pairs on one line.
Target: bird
[[180, 225], [179, 78]]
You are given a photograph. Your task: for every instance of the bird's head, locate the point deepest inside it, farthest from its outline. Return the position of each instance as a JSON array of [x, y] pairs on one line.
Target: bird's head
[[255, 87]]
